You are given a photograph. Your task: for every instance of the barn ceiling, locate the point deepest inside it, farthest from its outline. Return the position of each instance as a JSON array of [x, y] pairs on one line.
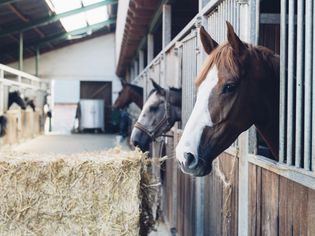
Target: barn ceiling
[[46, 25]]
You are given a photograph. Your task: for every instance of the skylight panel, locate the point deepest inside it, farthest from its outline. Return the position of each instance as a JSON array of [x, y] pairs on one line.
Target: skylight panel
[[74, 22], [65, 5], [89, 2], [96, 15]]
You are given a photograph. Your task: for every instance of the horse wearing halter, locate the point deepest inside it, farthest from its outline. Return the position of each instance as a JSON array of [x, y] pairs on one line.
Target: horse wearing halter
[[167, 118]]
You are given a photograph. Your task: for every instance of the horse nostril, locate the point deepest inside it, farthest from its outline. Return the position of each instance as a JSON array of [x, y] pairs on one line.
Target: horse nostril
[[191, 160]]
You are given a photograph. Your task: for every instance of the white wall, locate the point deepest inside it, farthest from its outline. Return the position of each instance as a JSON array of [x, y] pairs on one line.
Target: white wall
[[92, 60]]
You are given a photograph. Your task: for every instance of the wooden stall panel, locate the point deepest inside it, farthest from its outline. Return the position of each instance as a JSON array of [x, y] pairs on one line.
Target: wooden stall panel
[[278, 206], [221, 197], [13, 132]]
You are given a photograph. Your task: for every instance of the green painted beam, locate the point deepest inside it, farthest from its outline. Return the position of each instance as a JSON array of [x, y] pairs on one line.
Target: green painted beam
[[54, 18], [60, 36], [3, 2], [66, 35]]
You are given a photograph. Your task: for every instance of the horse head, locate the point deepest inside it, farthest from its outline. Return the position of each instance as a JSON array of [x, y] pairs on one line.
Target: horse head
[[237, 87], [128, 94], [15, 97], [30, 102], [160, 112]]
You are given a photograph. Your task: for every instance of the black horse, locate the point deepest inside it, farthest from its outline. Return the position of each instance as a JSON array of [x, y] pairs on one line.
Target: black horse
[[30, 102], [15, 97]]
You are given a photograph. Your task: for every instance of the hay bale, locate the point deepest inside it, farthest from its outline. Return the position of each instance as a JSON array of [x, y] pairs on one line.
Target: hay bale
[[83, 194]]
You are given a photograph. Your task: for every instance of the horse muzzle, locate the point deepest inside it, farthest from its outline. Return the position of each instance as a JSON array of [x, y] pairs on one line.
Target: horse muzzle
[[195, 165], [140, 139]]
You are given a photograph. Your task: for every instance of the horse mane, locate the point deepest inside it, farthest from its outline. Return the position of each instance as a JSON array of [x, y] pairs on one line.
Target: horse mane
[[136, 88], [175, 89], [224, 57]]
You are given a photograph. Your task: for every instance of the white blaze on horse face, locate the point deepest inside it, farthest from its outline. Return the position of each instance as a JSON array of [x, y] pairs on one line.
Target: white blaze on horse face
[[199, 118]]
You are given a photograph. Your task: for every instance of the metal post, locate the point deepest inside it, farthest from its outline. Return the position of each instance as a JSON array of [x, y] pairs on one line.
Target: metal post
[[135, 68], [299, 83], [290, 91], [313, 98], [150, 48], [282, 121], [21, 52], [166, 24], [37, 62], [308, 84], [141, 61]]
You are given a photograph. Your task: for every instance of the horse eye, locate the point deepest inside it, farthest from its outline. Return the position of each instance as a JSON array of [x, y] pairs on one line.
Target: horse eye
[[154, 108], [228, 88]]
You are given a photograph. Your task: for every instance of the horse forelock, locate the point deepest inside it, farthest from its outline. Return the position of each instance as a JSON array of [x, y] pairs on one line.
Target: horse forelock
[[223, 57]]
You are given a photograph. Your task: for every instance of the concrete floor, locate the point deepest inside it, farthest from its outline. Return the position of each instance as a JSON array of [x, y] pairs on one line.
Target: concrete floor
[[64, 144]]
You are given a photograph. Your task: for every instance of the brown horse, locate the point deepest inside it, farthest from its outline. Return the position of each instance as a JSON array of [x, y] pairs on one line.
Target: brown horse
[[130, 93], [238, 86]]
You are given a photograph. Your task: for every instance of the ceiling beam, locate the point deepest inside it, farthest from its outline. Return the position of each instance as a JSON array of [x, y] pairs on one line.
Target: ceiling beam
[[54, 18], [60, 36], [3, 2]]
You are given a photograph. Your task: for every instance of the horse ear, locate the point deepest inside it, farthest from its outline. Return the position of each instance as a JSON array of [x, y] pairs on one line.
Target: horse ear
[[234, 40], [208, 43], [156, 86]]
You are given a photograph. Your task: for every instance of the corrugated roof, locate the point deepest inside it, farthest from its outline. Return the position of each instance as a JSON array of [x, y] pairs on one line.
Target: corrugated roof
[[42, 29]]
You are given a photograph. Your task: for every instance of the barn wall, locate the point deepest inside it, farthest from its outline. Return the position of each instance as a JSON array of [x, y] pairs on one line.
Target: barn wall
[[92, 60], [279, 206]]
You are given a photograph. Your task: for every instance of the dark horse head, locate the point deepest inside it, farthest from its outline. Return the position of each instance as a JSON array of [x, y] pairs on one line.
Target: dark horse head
[[30, 102], [129, 93], [15, 97], [238, 86], [160, 112], [3, 125]]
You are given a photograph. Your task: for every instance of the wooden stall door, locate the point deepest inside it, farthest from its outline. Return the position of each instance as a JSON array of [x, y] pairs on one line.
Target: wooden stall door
[[99, 90]]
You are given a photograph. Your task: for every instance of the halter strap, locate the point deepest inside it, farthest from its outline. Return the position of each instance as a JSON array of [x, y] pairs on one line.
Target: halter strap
[[166, 118]]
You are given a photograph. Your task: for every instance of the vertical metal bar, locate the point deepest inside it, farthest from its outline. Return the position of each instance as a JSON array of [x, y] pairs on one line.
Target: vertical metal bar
[[283, 56], [21, 52], [290, 91], [37, 62], [313, 97], [299, 84], [308, 84], [237, 17]]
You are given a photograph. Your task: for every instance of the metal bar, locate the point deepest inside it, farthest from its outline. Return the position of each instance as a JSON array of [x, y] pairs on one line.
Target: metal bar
[[166, 24], [290, 89], [299, 84], [54, 18], [308, 84], [282, 107], [21, 52], [150, 48]]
